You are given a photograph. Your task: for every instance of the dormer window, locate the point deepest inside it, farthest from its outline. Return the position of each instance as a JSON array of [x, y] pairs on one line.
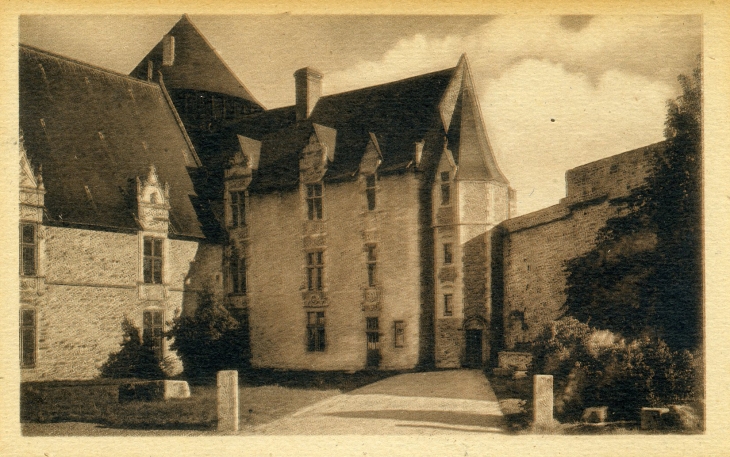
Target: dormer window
[[152, 260], [28, 249], [238, 209], [370, 191], [445, 189], [314, 202]]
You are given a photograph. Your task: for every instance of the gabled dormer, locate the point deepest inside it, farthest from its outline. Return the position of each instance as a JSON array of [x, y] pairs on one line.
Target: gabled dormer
[[153, 203], [317, 154]]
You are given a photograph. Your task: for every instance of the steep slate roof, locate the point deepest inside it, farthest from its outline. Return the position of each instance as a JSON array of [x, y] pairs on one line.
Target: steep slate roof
[[398, 113], [196, 66], [93, 132]]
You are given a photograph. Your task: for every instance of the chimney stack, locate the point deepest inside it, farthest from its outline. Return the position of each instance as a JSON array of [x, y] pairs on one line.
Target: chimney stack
[[308, 84]]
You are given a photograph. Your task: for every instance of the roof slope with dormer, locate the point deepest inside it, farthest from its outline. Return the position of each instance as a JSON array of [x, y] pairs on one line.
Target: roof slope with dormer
[[91, 133], [397, 114]]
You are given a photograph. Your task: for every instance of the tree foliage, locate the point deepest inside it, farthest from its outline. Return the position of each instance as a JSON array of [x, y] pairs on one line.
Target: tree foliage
[[209, 340], [134, 359], [644, 277]]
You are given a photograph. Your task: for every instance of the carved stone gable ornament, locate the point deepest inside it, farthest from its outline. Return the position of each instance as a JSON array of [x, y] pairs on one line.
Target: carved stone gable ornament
[[153, 207]]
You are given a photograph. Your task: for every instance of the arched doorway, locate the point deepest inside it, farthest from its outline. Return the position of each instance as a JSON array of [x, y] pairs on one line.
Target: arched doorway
[[475, 337]]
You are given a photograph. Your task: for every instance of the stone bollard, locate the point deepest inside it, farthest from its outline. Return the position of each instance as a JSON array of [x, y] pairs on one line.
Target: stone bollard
[[651, 418], [227, 401], [542, 400]]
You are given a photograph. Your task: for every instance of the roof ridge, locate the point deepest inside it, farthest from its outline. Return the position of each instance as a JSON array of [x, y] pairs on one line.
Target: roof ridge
[[423, 75], [86, 64]]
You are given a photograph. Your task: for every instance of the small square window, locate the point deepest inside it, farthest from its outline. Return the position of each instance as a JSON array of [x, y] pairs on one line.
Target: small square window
[[448, 305], [314, 202], [372, 265], [238, 209], [448, 254], [315, 270], [27, 338], [152, 260], [315, 331], [400, 334], [28, 250]]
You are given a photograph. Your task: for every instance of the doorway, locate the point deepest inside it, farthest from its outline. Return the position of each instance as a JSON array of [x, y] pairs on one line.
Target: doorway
[[373, 338], [473, 349]]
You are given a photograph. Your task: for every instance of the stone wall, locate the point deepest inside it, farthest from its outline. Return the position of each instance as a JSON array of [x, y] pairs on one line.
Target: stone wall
[[536, 246], [91, 285], [277, 275]]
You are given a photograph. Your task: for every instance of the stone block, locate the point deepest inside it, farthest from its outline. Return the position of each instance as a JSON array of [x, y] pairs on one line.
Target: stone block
[[153, 390], [176, 389], [519, 375], [595, 415], [227, 383], [542, 400], [651, 418], [504, 372], [519, 361]]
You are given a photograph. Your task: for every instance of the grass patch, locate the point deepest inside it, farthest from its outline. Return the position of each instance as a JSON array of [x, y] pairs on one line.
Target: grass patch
[[264, 396]]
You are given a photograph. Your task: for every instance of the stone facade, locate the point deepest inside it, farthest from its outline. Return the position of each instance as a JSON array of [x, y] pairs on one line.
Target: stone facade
[[88, 281], [278, 299], [536, 246]]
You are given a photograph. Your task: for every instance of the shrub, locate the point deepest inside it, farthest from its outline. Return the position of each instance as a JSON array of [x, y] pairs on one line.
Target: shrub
[[598, 368], [134, 360], [210, 340]]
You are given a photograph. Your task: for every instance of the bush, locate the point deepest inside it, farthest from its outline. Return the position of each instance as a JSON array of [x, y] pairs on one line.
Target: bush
[[134, 360], [210, 340], [598, 368]]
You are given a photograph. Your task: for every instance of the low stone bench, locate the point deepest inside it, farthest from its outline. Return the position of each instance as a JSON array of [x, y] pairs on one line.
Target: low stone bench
[[516, 361], [153, 390], [651, 418]]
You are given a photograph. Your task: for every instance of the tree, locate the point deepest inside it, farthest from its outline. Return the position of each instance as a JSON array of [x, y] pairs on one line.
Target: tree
[[134, 360], [210, 340], [644, 275]]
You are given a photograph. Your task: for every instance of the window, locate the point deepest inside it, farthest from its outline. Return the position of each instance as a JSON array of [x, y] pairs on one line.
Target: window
[[445, 189], [28, 249], [27, 338], [372, 263], [315, 265], [400, 334], [238, 209], [314, 202], [153, 330], [448, 305], [371, 325], [238, 273], [370, 191], [315, 331], [152, 260], [448, 254]]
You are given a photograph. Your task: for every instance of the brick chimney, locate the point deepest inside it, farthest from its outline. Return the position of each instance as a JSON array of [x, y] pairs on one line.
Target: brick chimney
[[308, 83]]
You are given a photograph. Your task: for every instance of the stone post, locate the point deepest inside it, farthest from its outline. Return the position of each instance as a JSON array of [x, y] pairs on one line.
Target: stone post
[[542, 400], [227, 401]]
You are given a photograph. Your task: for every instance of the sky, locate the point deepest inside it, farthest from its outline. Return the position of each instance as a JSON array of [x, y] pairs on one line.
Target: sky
[[555, 92]]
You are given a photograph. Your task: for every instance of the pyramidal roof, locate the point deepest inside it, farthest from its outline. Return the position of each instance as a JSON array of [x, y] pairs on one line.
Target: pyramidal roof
[[192, 63]]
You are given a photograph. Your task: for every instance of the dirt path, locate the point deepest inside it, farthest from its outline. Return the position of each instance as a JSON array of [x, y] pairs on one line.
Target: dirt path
[[441, 402]]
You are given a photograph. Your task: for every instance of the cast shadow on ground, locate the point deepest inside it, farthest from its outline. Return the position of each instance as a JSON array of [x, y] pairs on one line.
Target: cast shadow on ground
[[450, 419]]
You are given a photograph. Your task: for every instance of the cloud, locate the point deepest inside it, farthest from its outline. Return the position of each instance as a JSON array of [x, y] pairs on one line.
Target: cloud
[[543, 120], [604, 81]]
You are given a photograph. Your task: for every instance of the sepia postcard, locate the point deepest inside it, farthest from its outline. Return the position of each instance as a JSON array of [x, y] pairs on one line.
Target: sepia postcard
[[425, 229]]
